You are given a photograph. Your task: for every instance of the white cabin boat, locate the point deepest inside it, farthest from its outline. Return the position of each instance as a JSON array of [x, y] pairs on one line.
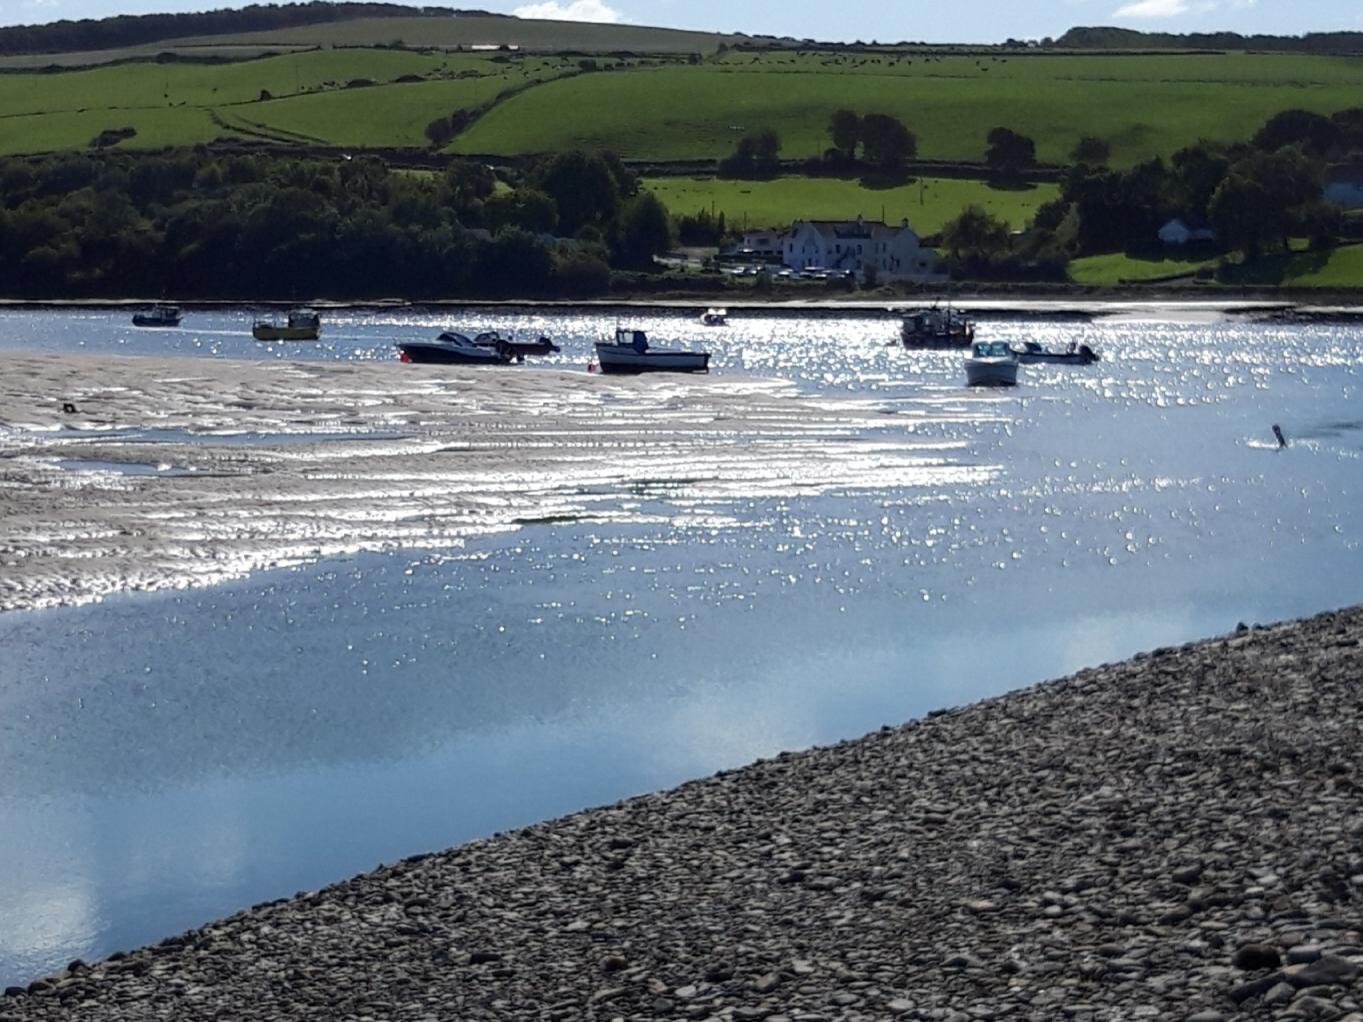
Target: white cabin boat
[[631, 353], [991, 364], [714, 317]]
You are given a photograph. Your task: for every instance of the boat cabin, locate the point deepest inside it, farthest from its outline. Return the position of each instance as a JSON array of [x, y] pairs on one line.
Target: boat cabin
[[636, 339], [304, 318], [992, 349]]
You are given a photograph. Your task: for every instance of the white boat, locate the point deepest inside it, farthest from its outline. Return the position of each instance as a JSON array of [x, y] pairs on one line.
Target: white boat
[[936, 327], [714, 317], [991, 364], [631, 353], [299, 325], [451, 348]]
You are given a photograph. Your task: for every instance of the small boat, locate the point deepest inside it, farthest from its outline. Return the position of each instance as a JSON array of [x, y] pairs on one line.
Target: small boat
[[631, 353], [715, 317], [493, 339], [160, 315], [991, 364], [300, 325], [452, 348], [936, 327], [1075, 355]]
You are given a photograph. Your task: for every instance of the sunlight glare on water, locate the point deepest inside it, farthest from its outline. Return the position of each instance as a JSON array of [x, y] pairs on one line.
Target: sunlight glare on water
[[168, 758]]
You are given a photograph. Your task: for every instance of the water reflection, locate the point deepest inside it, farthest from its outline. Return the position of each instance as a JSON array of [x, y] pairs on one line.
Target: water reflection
[[166, 759]]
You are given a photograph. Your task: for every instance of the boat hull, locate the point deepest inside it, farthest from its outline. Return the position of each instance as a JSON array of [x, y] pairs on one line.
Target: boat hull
[[265, 332], [912, 339], [1059, 358], [139, 320], [991, 372], [623, 358], [438, 354]]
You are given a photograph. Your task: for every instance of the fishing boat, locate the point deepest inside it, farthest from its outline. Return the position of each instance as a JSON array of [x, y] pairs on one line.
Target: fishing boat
[[1075, 355], [715, 317], [936, 327], [299, 325], [452, 348], [991, 364], [631, 353], [494, 339], [160, 315]]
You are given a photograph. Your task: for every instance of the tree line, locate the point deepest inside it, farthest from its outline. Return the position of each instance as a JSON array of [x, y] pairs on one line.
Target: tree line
[[1083, 38], [194, 224], [1254, 195]]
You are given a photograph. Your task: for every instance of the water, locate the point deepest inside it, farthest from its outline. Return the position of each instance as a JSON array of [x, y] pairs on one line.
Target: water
[[168, 758]]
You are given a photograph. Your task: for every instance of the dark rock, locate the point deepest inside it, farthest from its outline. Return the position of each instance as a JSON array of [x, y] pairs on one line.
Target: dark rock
[[484, 957], [1255, 987], [1326, 971], [1257, 956]]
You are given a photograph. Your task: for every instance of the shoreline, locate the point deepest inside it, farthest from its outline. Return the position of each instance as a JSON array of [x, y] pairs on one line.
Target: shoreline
[[1175, 837], [1333, 307]]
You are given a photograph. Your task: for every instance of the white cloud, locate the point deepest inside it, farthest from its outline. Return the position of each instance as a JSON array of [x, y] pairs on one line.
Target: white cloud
[[1153, 9], [575, 10]]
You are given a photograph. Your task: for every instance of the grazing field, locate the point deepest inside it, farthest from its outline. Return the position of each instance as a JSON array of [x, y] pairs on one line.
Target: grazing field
[[188, 103], [927, 204], [415, 32], [1337, 267], [1115, 267], [1142, 105]]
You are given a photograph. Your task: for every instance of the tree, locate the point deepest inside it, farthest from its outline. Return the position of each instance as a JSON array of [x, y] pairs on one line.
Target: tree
[[974, 234], [845, 129], [1009, 153], [521, 207], [886, 143], [643, 229], [755, 156], [583, 186], [1310, 132], [1241, 213], [1091, 150]]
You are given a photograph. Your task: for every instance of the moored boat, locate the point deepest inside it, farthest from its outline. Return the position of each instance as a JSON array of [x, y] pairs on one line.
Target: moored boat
[[991, 364], [452, 348], [299, 325], [936, 327], [1076, 355], [715, 317], [631, 353], [494, 339], [160, 315]]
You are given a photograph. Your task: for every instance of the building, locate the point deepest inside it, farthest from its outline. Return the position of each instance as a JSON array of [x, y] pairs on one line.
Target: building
[[1179, 232], [894, 252], [1344, 186]]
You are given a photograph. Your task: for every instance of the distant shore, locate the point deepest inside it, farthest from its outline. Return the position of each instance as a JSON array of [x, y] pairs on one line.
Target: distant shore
[[1176, 837], [1342, 307]]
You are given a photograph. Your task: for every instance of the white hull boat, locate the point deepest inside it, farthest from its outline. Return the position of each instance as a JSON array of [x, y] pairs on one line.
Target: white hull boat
[[631, 353], [991, 364]]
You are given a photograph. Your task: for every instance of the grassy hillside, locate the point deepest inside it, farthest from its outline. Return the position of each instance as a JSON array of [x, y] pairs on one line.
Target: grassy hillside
[[926, 205], [1142, 105], [186, 103], [1337, 267], [413, 32]]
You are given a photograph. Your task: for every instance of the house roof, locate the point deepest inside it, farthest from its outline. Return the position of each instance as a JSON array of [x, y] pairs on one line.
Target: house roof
[[857, 229]]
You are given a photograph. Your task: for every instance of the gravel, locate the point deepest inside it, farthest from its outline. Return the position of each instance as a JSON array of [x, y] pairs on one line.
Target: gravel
[[1178, 837]]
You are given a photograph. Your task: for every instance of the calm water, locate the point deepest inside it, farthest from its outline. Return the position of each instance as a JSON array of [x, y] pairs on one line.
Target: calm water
[[165, 759]]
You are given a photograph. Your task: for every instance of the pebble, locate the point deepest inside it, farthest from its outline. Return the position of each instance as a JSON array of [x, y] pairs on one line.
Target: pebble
[[1080, 850]]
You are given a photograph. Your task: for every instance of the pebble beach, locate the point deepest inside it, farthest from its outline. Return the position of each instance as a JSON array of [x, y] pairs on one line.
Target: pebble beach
[[1175, 837]]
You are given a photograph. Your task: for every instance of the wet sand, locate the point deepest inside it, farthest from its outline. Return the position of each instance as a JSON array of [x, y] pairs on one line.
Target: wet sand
[[193, 472], [1178, 837]]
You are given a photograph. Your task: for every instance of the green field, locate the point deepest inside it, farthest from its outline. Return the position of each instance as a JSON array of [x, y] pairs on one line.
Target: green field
[[1338, 267], [187, 103], [1142, 105], [926, 204], [666, 109]]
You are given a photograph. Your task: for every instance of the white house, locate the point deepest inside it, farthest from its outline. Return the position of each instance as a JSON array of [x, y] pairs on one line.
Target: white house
[[762, 243], [1183, 232], [853, 245], [1344, 186]]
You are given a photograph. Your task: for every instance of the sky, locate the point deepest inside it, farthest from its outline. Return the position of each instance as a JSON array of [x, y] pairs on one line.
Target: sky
[[967, 21]]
